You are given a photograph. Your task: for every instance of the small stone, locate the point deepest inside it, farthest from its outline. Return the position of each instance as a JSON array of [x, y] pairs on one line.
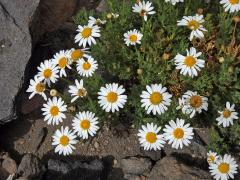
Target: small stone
[[96, 145], [115, 162], [9, 165]]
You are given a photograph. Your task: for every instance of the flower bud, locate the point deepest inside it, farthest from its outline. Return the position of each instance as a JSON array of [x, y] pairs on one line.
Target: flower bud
[[53, 92]]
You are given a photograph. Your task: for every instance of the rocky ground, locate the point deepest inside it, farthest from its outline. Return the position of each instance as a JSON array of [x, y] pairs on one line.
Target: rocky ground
[[113, 154], [42, 28]]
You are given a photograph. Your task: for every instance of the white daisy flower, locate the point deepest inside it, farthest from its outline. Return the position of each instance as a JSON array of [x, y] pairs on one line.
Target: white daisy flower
[[94, 21], [227, 115], [61, 60], [48, 72], [87, 35], [178, 134], [77, 91], [64, 140], [174, 1], [87, 67], [77, 54], [54, 111], [36, 87], [212, 157], [192, 103], [111, 97], [133, 37], [85, 123], [150, 138], [156, 99], [189, 64], [194, 23], [144, 9], [231, 5], [224, 168]]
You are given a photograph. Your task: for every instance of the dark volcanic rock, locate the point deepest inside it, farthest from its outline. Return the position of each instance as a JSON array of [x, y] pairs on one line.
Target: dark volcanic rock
[[30, 167], [15, 51], [170, 168], [75, 169]]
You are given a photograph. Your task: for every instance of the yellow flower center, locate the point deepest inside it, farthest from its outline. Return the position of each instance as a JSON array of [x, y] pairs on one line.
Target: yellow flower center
[[178, 133], [233, 2], [82, 92], [190, 61], [40, 87], [64, 140], [223, 168], [85, 124], [47, 73], [151, 137], [76, 54], [62, 63], [193, 25], [98, 22], [86, 65], [133, 38], [226, 113], [195, 101], [112, 97], [212, 158], [54, 110], [156, 98], [86, 32]]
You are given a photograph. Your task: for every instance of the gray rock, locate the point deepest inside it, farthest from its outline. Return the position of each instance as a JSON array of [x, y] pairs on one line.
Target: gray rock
[[136, 166], [153, 155], [75, 169], [195, 153], [30, 167], [203, 134], [15, 51], [59, 166], [169, 168]]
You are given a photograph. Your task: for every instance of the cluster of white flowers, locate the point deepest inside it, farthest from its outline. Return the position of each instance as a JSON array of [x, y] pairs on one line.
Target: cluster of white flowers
[[111, 97], [221, 168]]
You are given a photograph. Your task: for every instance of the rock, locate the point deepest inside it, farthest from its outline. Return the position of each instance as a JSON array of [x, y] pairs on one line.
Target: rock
[[3, 174], [29, 106], [170, 168], [30, 167], [131, 177], [153, 155], [9, 165], [58, 166], [102, 6], [37, 139], [74, 169], [203, 134], [15, 51], [136, 166], [195, 153], [116, 174]]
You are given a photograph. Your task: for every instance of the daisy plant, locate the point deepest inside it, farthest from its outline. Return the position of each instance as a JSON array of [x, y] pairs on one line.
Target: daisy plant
[[172, 64]]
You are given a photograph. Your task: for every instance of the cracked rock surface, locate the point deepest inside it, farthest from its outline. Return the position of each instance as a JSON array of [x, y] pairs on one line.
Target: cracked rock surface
[[15, 51]]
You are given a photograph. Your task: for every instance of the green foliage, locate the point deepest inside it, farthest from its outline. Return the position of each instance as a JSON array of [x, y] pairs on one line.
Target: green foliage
[[137, 66]]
